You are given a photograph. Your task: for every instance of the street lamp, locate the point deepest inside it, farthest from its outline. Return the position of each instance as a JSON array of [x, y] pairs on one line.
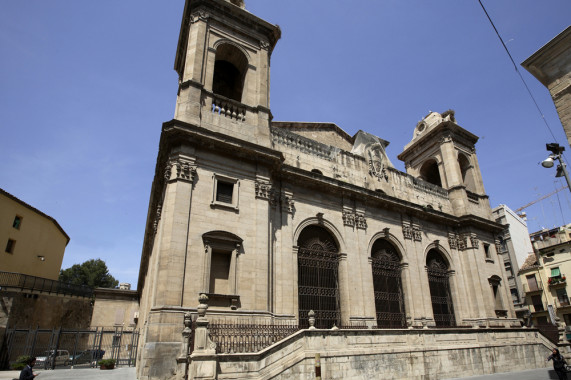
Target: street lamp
[[556, 152]]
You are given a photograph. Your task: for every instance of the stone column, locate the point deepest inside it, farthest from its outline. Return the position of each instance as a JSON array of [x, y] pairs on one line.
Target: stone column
[[203, 361]]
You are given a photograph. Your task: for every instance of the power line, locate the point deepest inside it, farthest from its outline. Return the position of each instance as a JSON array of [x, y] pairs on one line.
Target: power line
[[518, 72]]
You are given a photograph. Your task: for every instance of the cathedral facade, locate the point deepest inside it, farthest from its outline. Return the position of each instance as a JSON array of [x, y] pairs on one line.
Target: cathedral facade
[[274, 219]]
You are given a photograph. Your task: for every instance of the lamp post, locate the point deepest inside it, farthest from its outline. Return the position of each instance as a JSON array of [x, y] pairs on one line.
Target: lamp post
[[556, 152]]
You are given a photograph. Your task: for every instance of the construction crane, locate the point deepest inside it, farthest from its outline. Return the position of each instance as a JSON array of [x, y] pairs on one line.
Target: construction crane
[[540, 199]]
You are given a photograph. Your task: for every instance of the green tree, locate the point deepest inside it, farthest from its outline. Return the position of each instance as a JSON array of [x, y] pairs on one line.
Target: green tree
[[92, 273]]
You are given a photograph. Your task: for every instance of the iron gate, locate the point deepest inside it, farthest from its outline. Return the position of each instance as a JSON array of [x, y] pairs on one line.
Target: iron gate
[[81, 348], [439, 283], [389, 300], [318, 289]]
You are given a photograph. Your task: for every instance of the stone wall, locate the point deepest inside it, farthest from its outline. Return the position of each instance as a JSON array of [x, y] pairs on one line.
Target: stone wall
[[394, 354], [44, 310]]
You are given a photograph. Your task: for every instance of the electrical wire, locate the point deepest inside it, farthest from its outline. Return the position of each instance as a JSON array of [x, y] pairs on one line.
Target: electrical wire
[[518, 72]]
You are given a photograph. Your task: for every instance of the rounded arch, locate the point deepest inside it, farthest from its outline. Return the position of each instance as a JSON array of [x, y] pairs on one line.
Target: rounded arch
[[330, 227], [391, 239], [466, 171], [438, 271], [230, 68], [430, 172], [433, 248]]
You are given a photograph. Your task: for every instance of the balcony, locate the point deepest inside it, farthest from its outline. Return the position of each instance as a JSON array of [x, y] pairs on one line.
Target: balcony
[[557, 281], [562, 303], [531, 289]]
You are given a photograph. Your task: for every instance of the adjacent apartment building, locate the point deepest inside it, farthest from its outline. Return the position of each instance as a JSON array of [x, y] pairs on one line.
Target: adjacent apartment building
[[514, 247], [544, 276], [32, 242]]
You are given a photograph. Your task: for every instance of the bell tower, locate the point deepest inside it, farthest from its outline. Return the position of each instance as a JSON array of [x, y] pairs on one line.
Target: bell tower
[[444, 154], [223, 63]]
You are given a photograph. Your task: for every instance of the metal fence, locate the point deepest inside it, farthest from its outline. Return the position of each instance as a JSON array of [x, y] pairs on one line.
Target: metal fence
[[20, 281], [248, 337], [73, 347]]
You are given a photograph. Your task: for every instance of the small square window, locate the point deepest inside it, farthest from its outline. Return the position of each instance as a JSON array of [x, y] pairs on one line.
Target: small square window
[[17, 222], [226, 191], [487, 251], [10, 246]]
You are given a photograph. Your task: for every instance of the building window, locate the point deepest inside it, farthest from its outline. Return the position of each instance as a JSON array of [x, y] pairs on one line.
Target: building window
[[221, 276], [487, 251], [10, 246], [226, 192], [495, 282], [509, 270], [562, 298], [515, 296], [17, 222], [537, 303]]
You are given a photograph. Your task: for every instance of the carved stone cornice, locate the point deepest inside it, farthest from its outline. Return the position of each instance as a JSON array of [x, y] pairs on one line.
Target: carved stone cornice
[[157, 218], [264, 45]]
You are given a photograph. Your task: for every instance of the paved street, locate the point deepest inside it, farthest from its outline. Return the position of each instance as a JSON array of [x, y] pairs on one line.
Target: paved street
[[83, 373]]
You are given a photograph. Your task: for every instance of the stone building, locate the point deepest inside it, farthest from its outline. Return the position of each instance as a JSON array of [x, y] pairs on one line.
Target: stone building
[[514, 248], [544, 276], [274, 219], [551, 65]]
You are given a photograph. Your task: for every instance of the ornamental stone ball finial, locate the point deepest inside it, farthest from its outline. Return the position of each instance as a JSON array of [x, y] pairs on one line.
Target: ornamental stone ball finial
[[311, 318], [203, 305]]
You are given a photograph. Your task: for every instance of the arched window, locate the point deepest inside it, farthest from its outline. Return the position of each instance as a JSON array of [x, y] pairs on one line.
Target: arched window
[[439, 284], [389, 300], [466, 171], [430, 173], [229, 72], [317, 273]]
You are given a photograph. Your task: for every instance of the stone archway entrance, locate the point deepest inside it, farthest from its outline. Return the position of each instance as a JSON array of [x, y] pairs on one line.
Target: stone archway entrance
[[318, 277], [438, 280], [389, 300]]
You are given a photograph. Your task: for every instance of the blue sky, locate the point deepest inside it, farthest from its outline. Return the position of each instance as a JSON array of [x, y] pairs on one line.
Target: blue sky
[[85, 87]]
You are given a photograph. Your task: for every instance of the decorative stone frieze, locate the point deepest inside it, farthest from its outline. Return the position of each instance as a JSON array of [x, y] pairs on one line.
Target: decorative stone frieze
[[474, 241], [348, 218], [416, 233], [180, 169], [199, 16], [288, 204], [407, 231], [462, 242], [157, 218], [360, 221], [452, 240], [263, 190]]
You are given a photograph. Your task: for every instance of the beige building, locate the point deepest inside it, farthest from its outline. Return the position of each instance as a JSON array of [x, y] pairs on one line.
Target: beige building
[[33, 243], [274, 221], [551, 65], [544, 276], [115, 307]]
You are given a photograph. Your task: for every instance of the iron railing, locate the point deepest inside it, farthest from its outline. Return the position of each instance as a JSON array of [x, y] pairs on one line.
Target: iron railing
[[44, 285], [248, 337]]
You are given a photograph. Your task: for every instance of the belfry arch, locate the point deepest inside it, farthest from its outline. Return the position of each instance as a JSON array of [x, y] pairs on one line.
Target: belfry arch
[[438, 270], [230, 70], [318, 277], [430, 172], [387, 283]]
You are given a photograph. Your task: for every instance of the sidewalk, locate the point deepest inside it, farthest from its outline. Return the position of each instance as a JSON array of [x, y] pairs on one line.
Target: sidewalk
[[127, 373], [530, 374]]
